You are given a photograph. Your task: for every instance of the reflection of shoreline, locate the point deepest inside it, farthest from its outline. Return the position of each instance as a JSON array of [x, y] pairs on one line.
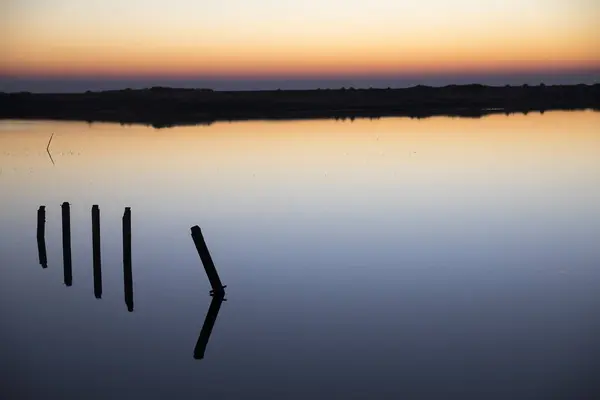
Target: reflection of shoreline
[[163, 107]]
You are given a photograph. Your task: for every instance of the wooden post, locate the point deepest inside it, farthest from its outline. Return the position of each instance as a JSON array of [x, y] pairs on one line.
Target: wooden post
[[207, 327], [41, 236], [127, 269], [96, 251], [66, 239], [207, 261]]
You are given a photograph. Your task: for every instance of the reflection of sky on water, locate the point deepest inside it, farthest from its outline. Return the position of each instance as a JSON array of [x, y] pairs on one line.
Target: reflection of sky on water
[[375, 258]]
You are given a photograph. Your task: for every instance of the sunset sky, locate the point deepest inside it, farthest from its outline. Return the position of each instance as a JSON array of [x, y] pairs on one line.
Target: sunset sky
[[260, 40]]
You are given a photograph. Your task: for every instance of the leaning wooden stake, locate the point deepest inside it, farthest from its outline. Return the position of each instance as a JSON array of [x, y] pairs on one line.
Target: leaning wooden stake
[[127, 270], [66, 238], [207, 261], [96, 251], [41, 236]]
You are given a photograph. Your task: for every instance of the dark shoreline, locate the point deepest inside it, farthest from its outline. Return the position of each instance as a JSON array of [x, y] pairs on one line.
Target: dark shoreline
[[162, 107]]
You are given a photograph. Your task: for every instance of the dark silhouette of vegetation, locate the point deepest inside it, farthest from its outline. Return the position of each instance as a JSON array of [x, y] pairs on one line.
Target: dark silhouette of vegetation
[[163, 106]]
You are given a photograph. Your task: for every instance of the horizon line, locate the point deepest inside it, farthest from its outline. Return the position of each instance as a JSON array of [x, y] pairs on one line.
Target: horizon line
[[342, 88]]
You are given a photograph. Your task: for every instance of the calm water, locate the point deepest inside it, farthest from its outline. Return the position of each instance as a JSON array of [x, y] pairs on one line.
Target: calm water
[[385, 259]]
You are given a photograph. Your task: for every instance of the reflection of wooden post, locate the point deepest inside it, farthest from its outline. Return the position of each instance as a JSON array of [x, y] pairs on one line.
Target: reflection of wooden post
[[207, 261], [66, 237], [96, 251], [41, 236], [127, 271], [207, 327]]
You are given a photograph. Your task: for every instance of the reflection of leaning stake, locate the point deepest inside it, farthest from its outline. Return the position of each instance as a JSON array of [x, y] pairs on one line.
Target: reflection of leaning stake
[[209, 266], [207, 327]]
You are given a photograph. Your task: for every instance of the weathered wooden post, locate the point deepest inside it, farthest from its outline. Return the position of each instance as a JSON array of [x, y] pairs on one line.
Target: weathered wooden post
[[66, 240], [127, 268], [207, 327], [96, 251], [41, 236], [209, 266]]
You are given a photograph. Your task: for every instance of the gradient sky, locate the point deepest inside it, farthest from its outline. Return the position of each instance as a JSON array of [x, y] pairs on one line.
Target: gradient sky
[[295, 38]]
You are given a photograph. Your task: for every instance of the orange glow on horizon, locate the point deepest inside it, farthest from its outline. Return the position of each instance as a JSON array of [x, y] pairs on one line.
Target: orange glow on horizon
[[70, 43], [125, 63]]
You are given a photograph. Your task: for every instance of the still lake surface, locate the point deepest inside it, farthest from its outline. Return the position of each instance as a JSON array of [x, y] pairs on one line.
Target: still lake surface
[[375, 259]]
